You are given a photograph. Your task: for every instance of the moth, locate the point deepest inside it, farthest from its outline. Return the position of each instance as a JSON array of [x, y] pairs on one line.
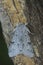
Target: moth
[[17, 35], [20, 42]]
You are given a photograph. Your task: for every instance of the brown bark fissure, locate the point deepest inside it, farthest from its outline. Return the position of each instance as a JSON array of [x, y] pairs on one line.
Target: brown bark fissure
[[36, 20]]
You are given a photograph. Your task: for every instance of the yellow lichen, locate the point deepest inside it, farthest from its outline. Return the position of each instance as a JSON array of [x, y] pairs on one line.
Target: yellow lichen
[[16, 12], [23, 60]]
